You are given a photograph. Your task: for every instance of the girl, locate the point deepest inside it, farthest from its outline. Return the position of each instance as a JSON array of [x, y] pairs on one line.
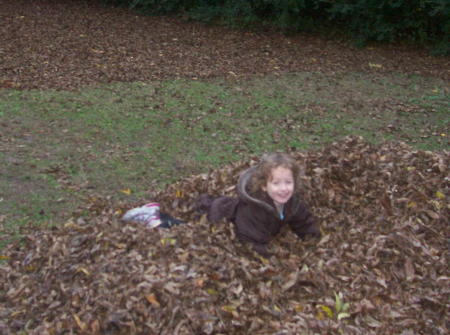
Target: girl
[[268, 198]]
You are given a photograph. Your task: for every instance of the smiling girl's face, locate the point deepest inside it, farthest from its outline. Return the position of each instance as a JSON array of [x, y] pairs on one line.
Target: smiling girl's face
[[280, 185]]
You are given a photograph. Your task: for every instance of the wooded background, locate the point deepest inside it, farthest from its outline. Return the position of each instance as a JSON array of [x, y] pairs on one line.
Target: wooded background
[[424, 22]]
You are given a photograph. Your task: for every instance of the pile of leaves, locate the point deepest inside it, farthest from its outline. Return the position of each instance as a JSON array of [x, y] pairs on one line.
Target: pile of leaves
[[381, 266]]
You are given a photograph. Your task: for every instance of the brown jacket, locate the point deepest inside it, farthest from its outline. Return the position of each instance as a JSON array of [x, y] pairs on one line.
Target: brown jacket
[[256, 218]]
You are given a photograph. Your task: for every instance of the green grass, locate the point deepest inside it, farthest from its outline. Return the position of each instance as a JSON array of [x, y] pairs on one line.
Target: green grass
[[60, 148]]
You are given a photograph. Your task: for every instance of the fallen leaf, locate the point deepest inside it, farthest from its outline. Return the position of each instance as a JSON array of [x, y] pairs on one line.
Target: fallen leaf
[[325, 239], [327, 310], [212, 291], [84, 270], [126, 191], [168, 241], [375, 65], [80, 323], [199, 282], [432, 214], [343, 316], [151, 298], [409, 269], [411, 204], [232, 310], [372, 322], [291, 280], [440, 195]]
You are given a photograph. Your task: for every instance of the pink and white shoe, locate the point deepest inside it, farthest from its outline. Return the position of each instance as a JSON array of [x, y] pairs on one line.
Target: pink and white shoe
[[147, 214]]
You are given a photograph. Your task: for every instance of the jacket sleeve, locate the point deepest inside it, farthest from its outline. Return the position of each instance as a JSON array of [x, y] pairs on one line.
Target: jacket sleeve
[[222, 208], [251, 224], [303, 223]]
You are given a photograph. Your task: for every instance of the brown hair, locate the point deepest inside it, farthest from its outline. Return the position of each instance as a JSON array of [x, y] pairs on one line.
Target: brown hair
[[263, 171]]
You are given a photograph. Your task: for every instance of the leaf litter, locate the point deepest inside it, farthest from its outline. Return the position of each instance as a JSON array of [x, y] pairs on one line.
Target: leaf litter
[[384, 255], [66, 45]]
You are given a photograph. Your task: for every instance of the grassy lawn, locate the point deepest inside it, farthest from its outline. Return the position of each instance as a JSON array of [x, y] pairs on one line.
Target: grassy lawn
[[59, 149]]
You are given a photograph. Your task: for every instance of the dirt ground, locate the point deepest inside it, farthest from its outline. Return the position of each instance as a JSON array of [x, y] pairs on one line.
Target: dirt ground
[[65, 44]]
